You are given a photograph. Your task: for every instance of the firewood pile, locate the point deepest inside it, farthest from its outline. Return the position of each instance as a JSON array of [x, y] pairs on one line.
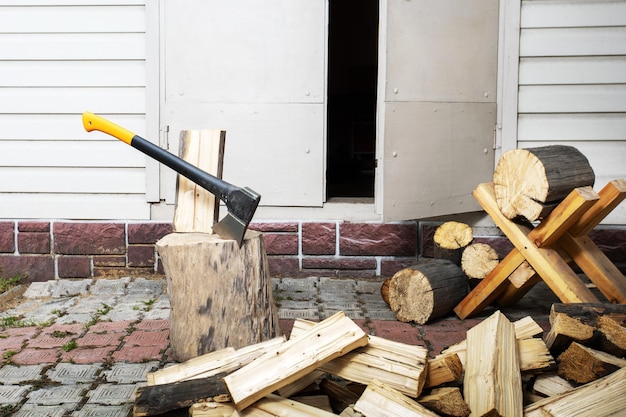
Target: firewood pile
[[502, 368]]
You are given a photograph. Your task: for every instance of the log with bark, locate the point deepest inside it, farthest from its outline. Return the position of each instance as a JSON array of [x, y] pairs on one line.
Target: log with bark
[[427, 290], [529, 183], [450, 239], [215, 286]]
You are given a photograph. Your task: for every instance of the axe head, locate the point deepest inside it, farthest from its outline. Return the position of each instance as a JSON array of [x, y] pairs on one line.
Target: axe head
[[241, 204]]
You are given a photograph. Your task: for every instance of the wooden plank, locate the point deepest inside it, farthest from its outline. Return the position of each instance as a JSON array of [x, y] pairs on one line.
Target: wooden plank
[[398, 365], [572, 14], [197, 208], [571, 127], [274, 405], [62, 46], [492, 359], [572, 70], [596, 41], [220, 361], [572, 98], [72, 19], [380, 400], [320, 344], [604, 397], [611, 195]]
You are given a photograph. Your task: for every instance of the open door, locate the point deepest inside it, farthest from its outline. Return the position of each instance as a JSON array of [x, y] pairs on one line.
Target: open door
[[437, 106]]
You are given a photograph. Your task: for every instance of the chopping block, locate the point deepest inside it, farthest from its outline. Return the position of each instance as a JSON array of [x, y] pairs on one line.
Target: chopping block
[[220, 293]]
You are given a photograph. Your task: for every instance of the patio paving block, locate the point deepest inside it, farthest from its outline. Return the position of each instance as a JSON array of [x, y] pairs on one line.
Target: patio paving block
[[70, 288], [91, 339], [88, 355], [298, 284], [71, 373], [96, 410], [110, 326], [48, 341], [13, 375], [40, 289], [382, 314], [369, 287], [32, 410], [157, 314], [138, 354], [149, 287], [307, 314], [13, 394], [110, 286], [112, 394], [123, 312], [130, 373], [67, 395], [154, 325], [148, 338], [353, 314], [14, 343], [31, 356], [93, 304]]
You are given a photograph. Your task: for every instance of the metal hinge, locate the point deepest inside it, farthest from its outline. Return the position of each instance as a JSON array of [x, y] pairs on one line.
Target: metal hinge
[[164, 137], [497, 136]]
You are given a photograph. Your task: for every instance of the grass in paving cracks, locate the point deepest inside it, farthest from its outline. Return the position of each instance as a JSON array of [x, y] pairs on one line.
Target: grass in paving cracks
[[95, 317]]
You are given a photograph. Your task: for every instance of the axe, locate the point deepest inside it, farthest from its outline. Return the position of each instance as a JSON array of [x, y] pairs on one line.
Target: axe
[[240, 202]]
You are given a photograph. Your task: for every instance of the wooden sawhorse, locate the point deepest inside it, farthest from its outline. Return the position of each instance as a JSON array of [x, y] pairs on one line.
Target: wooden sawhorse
[[559, 239]]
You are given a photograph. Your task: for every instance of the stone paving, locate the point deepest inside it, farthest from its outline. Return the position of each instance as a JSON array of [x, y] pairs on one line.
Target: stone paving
[[81, 347]]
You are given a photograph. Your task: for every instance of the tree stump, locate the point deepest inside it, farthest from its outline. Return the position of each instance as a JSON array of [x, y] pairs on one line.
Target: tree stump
[[531, 182], [220, 293], [450, 239], [428, 290]]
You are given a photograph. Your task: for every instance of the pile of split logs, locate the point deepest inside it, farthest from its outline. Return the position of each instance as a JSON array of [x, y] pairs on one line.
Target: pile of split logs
[[332, 367]]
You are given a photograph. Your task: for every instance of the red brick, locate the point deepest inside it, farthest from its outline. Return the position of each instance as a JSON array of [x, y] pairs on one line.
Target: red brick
[[7, 237], [141, 256], [319, 238], [148, 233], [388, 267], [43, 227], [33, 242], [275, 227], [30, 267], [285, 266], [281, 243], [338, 263], [378, 239], [109, 261], [74, 266], [89, 238]]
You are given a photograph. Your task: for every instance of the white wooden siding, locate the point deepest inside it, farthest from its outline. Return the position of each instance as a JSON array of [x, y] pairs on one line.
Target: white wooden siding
[[572, 82], [57, 60]]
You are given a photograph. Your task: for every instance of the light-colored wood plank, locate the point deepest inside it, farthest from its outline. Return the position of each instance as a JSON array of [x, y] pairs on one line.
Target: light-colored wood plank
[[380, 400], [197, 208], [492, 359], [274, 405], [212, 409], [602, 398], [327, 340], [551, 384]]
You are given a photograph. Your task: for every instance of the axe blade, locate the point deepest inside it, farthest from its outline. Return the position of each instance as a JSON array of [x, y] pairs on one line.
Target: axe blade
[[241, 204]]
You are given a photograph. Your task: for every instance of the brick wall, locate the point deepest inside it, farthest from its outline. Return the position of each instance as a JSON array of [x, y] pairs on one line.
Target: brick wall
[[42, 251]]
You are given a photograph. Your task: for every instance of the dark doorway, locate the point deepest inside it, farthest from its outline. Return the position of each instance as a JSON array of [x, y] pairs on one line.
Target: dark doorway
[[351, 112]]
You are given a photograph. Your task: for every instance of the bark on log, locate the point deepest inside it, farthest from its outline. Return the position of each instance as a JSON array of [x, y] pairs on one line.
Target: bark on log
[[220, 293], [426, 291], [530, 182], [478, 260], [450, 239]]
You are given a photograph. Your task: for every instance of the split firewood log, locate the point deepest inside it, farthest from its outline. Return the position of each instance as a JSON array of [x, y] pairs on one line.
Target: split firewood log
[[447, 401], [478, 260], [588, 313], [612, 336], [450, 239], [380, 400], [427, 290], [443, 369], [581, 364], [565, 329], [529, 183]]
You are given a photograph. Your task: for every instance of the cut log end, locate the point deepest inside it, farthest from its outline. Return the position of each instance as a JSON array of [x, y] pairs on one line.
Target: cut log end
[[478, 260]]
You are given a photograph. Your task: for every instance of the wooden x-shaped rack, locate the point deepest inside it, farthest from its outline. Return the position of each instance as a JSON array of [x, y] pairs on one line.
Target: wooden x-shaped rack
[[544, 252]]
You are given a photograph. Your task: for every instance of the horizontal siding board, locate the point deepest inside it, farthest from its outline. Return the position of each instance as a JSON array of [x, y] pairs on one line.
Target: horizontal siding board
[[71, 19], [130, 73], [74, 206], [56, 3], [60, 126], [572, 13], [573, 42], [72, 100], [73, 180], [572, 70], [70, 154], [572, 127], [572, 98], [66, 46]]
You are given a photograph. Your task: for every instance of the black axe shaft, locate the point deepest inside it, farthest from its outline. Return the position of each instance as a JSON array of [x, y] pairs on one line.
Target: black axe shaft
[[240, 202]]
